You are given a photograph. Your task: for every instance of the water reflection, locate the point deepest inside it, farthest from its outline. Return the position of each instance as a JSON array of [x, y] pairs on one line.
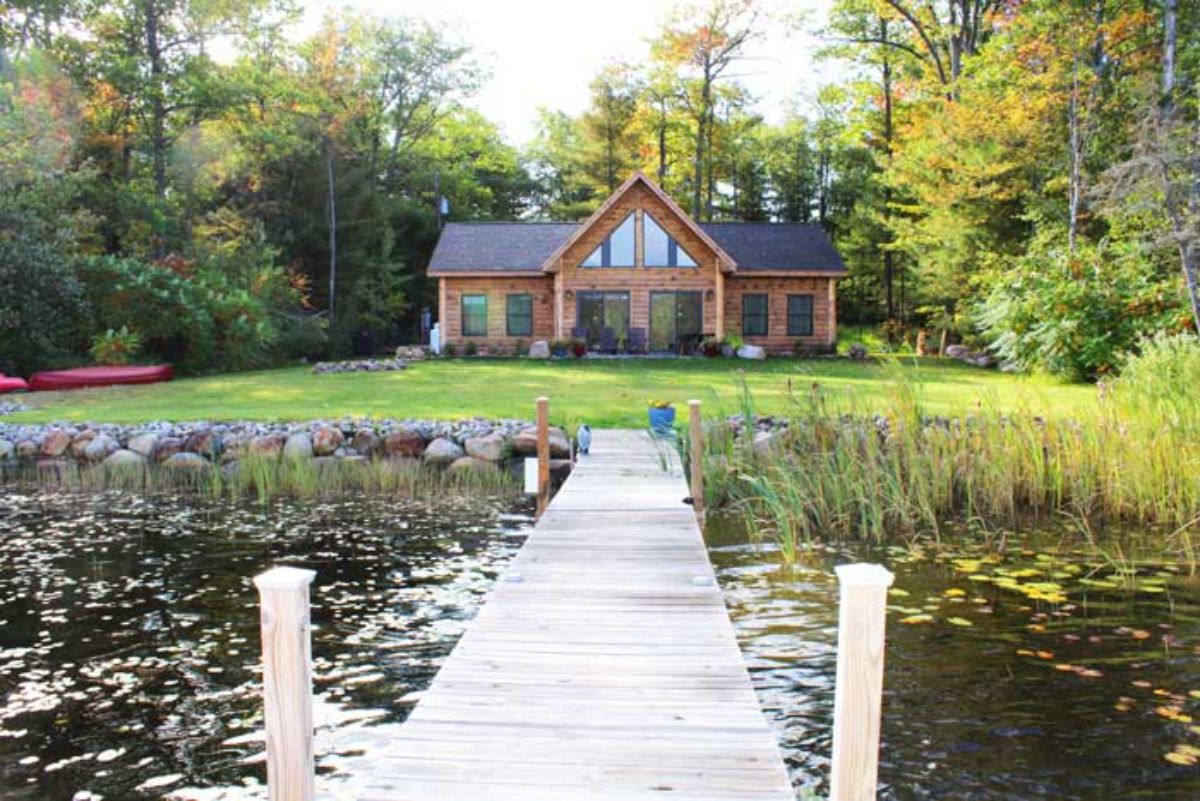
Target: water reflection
[[992, 691], [129, 640]]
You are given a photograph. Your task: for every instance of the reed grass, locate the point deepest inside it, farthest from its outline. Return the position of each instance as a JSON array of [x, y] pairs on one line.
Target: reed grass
[[842, 470]]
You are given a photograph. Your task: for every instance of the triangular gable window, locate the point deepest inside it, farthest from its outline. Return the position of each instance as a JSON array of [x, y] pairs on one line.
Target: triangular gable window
[[617, 249], [661, 249]]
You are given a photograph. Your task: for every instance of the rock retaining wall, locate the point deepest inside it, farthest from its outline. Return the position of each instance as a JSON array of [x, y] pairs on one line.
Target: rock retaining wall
[[477, 444]]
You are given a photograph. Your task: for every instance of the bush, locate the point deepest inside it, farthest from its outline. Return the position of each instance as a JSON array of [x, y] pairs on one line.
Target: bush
[[116, 347], [41, 303]]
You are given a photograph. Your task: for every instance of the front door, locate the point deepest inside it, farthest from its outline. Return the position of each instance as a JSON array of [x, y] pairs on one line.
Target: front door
[[675, 318], [597, 311]]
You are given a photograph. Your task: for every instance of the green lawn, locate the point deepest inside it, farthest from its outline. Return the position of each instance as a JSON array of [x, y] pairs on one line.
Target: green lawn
[[600, 392]]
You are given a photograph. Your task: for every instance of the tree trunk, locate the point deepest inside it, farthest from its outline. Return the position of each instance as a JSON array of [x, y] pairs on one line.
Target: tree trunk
[[332, 229], [158, 134], [889, 257], [698, 156], [1075, 148]]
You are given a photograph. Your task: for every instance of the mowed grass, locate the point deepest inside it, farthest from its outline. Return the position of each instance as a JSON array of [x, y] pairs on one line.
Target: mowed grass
[[599, 392]]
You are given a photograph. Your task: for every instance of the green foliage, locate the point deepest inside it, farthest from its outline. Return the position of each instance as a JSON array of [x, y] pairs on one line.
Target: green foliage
[[41, 303], [1075, 315], [116, 347]]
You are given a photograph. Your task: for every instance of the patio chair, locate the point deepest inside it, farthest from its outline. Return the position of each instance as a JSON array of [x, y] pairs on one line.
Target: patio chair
[[579, 332], [637, 340], [608, 340]]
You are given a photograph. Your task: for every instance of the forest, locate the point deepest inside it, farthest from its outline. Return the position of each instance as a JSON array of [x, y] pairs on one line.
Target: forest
[[189, 180]]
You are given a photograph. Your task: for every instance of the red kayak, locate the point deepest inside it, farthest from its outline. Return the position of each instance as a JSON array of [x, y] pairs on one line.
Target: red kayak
[[11, 384], [99, 377]]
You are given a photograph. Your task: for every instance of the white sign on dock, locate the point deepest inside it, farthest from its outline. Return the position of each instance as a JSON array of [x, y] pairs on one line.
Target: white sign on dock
[[531, 475]]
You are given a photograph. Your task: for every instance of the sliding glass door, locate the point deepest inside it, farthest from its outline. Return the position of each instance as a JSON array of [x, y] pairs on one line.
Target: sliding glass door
[[676, 318], [599, 310]]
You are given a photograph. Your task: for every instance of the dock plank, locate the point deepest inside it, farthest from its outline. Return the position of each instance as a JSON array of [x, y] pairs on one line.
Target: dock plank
[[602, 666]]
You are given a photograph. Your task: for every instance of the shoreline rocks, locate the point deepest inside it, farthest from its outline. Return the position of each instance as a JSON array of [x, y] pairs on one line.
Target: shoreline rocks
[[362, 366]]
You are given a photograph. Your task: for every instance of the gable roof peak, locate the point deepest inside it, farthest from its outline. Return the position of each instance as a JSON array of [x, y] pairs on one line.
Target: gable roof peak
[[725, 262]]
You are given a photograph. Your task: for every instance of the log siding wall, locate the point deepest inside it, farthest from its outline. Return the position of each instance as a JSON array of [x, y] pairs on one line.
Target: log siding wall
[[777, 340], [539, 288]]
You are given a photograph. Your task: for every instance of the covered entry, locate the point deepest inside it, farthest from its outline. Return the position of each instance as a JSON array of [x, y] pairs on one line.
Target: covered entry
[[676, 320]]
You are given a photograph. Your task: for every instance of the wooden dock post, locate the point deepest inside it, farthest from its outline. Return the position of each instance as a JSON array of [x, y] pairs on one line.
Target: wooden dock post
[[543, 454], [697, 456], [858, 698], [287, 682]]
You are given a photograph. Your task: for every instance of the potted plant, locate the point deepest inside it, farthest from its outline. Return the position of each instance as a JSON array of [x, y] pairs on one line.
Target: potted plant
[[711, 347], [729, 347], [662, 416], [579, 348], [558, 348]]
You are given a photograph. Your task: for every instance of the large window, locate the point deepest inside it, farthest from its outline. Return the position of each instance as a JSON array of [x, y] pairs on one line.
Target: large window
[[617, 249], [474, 315], [661, 249], [754, 315], [519, 315], [800, 315]]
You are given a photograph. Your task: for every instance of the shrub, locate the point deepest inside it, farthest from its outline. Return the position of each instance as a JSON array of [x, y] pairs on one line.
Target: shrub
[[471, 349], [41, 303], [116, 347]]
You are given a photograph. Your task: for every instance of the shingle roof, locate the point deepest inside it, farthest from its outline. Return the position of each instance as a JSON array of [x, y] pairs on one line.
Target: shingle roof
[[524, 246]]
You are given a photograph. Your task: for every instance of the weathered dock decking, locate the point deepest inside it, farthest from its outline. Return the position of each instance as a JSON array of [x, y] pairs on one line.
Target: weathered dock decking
[[602, 666]]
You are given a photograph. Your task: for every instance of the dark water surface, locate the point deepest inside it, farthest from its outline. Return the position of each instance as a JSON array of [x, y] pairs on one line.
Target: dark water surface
[[129, 649], [1040, 673], [129, 642]]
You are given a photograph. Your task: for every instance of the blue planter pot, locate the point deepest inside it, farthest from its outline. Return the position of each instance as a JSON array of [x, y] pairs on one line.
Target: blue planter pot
[[662, 420]]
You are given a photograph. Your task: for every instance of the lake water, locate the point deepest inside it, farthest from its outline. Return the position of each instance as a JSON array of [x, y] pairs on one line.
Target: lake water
[[129, 649]]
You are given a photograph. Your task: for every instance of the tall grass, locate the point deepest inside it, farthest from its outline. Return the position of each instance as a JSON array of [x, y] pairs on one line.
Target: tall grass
[[266, 477], [842, 470]]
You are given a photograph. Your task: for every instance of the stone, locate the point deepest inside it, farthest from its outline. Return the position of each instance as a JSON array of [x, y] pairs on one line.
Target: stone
[[957, 351], [143, 444], [751, 352], [204, 442], [27, 449], [186, 461], [443, 451], [490, 448], [465, 463], [7, 450], [326, 440], [125, 459], [266, 445], [298, 446], [560, 469], [167, 447], [81, 441], [404, 443], [55, 443], [858, 351], [100, 448], [764, 443], [525, 443], [365, 442], [539, 350]]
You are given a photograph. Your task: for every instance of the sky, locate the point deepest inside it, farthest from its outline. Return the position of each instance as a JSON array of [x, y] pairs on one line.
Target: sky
[[543, 53]]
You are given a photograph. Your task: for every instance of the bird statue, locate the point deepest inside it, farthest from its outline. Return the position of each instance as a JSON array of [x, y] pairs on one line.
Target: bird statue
[[585, 439]]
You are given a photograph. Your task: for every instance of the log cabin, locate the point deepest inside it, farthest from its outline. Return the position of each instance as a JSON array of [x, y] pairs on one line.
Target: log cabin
[[639, 275]]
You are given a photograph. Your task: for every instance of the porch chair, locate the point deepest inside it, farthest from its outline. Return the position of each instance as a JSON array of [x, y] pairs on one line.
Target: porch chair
[[579, 332], [608, 340], [637, 340]]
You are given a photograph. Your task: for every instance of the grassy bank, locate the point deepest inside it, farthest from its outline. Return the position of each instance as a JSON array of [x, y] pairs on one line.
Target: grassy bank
[[839, 471], [600, 392]]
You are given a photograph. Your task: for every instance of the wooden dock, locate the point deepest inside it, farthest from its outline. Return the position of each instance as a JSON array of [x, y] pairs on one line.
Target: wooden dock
[[602, 666]]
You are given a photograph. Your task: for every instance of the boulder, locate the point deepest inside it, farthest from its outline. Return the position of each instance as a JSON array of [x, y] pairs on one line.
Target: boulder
[[443, 451], [81, 441], [957, 351], [55, 443], [143, 444], [7, 450], [490, 448], [751, 352], [100, 448], [27, 449], [539, 350], [467, 463], [266, 445], [764, 443], [186, 461], [525, 443], [404, 443], [298, 446], [204, 442], [365, 442], [858, 351], [560, 469], [326, 440], [125, 459], [166, 447]]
